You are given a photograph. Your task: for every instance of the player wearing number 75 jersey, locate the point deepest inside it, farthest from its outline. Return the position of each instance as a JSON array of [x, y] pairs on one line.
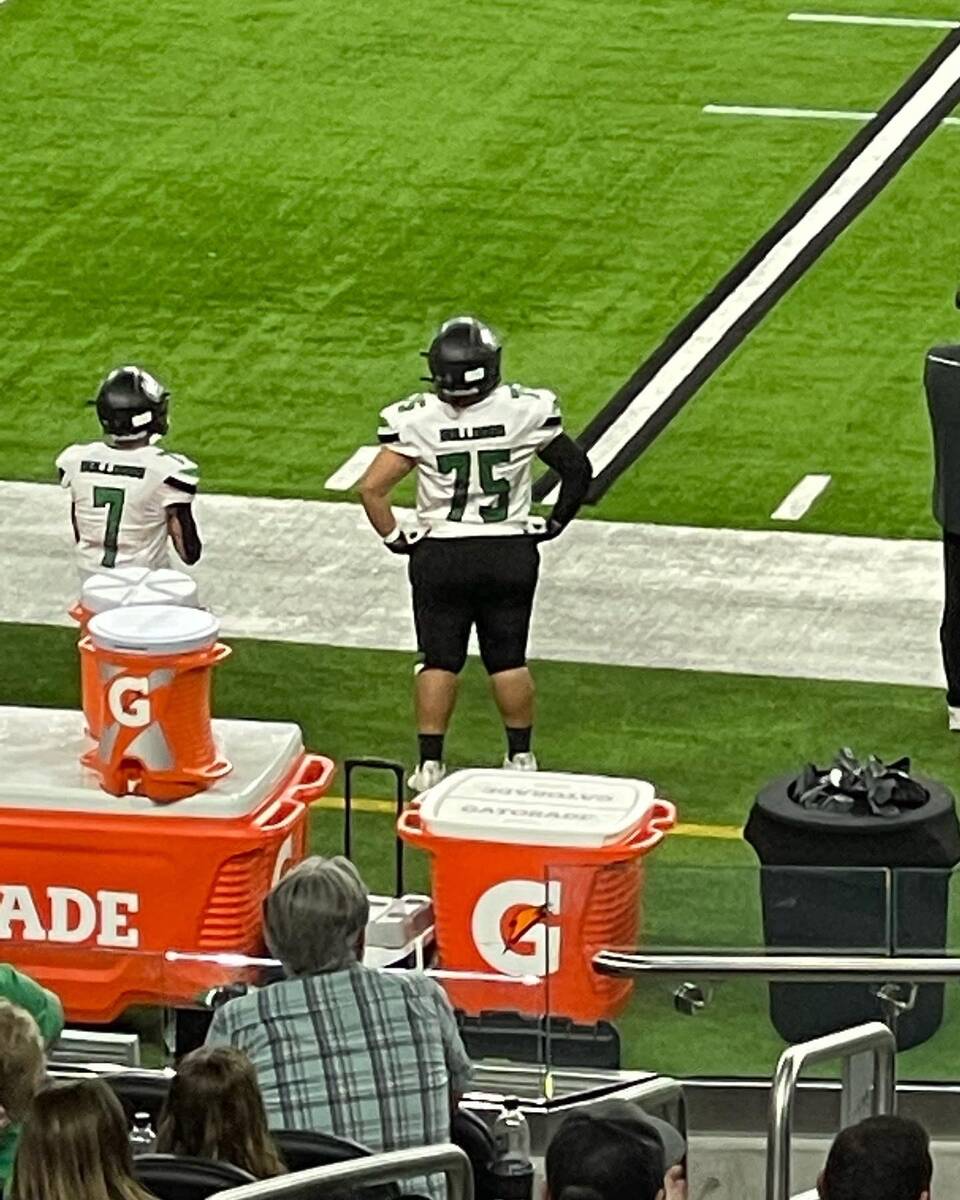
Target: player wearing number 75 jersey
[[130, 496], [474, 559]]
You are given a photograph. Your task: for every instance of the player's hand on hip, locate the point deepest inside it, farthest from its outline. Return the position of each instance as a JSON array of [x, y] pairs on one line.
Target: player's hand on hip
[[400, 542], [542, 530]]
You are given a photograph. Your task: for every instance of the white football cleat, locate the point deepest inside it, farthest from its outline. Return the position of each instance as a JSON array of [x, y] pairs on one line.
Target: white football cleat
[[427, 775], [526, 760], [953, 718]]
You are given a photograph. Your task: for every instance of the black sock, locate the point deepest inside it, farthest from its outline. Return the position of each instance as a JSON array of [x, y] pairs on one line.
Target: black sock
[[518, 740], [431, 747]]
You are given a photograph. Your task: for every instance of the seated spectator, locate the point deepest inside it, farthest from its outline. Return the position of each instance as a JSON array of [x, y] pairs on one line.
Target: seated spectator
[[881, 1158], [39, 1002], [22, 1068], [214, 1110], [338, 1047], [18, 1052], [74, 1146], [614, 1151]]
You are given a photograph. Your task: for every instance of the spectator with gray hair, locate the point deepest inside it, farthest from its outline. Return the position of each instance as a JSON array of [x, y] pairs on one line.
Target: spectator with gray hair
[[339, 1047]]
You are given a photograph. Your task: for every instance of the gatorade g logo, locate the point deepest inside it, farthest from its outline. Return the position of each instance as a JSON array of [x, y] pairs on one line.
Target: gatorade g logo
[[135, 714], [515, 929]]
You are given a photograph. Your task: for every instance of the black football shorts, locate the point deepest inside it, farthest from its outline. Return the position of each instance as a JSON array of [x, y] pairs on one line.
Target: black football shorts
[[488, 582]]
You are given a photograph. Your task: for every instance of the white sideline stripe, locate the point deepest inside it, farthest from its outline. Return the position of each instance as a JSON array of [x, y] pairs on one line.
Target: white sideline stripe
[[810, 114], [345, 477], [853, 19], [798, 502], [778, 260], [778, 603]]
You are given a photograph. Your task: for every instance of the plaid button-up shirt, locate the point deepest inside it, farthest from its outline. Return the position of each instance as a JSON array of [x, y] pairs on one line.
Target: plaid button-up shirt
[[364, 1054]]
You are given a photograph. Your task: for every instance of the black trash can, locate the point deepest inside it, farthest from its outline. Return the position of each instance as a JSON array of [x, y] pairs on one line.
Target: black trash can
[[861, 912]]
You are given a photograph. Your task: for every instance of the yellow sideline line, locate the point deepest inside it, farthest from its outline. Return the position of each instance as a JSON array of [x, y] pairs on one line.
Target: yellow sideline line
[[335, 804]]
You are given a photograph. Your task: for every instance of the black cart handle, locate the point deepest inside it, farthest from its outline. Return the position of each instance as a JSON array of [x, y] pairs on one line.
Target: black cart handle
[[373, 764]]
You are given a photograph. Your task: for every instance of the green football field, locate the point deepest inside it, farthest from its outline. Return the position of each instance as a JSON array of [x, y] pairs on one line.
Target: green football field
[[272, 204]]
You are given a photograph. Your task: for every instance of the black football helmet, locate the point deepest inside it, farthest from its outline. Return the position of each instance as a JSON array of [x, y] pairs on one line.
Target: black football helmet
[[464, 361], [131, 404]]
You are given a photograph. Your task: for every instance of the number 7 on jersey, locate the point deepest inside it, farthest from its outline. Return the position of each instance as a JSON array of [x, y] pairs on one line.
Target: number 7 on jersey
[[112, 500]]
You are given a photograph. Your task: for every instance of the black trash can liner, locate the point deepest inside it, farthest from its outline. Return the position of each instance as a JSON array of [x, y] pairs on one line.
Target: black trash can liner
[[829, 911]]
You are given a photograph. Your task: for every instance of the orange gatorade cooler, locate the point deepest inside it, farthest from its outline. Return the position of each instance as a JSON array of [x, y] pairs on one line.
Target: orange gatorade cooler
[[532, 875], [153, 668], [121, 588], [97, 890]]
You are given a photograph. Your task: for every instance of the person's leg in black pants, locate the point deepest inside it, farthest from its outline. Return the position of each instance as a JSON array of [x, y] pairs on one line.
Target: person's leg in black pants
[[950, 625]]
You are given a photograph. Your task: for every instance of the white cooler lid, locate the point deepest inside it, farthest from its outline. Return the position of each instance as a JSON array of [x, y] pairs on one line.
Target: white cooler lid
[[40, 768], [136, 585], [154, 629], [541, 808]]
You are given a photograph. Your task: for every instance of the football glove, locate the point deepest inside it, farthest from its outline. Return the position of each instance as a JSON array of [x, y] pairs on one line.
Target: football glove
[[399, 542], [541, 530]]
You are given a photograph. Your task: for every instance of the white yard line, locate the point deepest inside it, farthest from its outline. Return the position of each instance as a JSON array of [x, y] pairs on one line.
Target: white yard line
[[779, 259], [807, 114], [811, 114], [797, 502], [856, 19], [350, 474], [762, 603]]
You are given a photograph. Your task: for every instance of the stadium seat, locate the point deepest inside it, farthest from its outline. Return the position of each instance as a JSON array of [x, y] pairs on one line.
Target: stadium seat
[[471, 1134], [171, 1177], [302, 1149], [140, 1091]]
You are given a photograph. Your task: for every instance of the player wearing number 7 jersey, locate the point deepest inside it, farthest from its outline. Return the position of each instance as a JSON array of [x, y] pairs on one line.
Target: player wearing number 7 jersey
[[130, 497], [474, 560]]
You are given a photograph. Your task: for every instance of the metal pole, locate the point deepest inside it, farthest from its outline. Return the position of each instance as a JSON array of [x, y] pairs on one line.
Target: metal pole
[[778, 968], [347, 1177], [873, 1037]]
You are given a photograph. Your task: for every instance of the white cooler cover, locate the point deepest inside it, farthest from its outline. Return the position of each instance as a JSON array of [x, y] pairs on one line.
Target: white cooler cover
[[541, 808]]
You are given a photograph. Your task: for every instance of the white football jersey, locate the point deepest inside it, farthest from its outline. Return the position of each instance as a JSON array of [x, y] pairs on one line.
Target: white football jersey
[[474, 464], [121, 499]]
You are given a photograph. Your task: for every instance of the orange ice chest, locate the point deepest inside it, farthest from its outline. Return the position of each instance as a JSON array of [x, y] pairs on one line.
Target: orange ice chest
[[122, 588], [533, 874], [96, 889], [153, 666]]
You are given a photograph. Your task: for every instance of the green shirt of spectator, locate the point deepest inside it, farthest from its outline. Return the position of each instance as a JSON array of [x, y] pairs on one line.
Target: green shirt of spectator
[[31, 1019]]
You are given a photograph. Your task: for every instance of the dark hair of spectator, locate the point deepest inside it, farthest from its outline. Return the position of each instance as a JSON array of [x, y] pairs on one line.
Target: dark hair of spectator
[[74, 1146], [593, 1159], [881, 1158], [215, 1110]]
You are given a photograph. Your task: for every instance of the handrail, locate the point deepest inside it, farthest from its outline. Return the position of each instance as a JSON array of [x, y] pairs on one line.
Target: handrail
[[873, 1037], [447, 1159], [779, 968]]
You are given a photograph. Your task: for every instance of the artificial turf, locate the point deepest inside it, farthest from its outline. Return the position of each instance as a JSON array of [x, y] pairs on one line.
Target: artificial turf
[[271, 204]]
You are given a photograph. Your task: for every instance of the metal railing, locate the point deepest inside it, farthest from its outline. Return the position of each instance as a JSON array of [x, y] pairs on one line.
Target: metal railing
[[447, 1160], [850, 1045], [873, 1038], [780, 968]]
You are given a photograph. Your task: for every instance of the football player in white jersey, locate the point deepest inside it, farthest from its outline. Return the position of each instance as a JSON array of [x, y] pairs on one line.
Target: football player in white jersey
[[474, 559], [130, 497]]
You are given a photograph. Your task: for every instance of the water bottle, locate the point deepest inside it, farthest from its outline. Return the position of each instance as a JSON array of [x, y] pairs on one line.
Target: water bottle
[[142, 1136], [512, 1168]]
